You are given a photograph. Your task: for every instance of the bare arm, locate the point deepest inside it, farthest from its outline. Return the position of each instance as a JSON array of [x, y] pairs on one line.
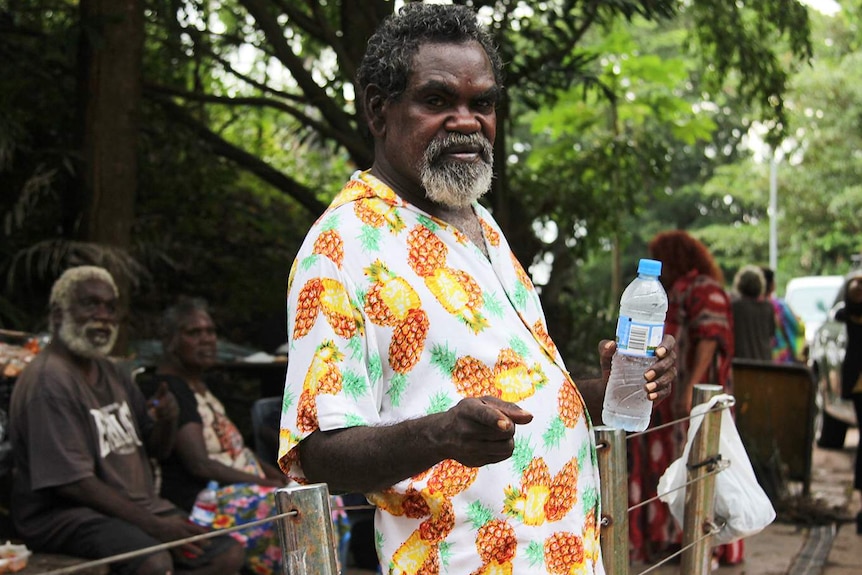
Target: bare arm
[[191, 449], [476, 432], [704, 352]]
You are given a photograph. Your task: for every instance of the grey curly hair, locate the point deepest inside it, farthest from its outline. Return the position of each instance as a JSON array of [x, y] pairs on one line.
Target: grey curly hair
[[63, 288], [388, 57], [174, 316]]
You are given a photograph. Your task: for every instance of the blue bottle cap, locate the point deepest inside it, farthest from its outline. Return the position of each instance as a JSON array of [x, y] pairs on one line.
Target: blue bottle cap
[[649, 267]]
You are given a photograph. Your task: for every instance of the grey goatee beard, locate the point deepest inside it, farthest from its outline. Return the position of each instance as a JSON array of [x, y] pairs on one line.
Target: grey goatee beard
[[74, 336], [457, 184]]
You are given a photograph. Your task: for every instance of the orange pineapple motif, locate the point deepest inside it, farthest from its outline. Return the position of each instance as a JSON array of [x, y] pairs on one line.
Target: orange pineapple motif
[[450, 477], [563, 492], [376, 213], [513, 379], [592, 542], [535, 488], [473, 378], [330, 297], [569, 403], [544, 338], [496, 544], [323, 376], [522, 275], [527, 504], [426, 252], [460, 295], [390, 298], [416, 556], [329, 244], [564, 553], [308, 306], [408, 341], [490, 233], [541, 499]]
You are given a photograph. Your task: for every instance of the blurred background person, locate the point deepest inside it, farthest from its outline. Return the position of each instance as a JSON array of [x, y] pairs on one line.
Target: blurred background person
[[699, 317], [82, 433], [209, 447], [753, 316], [789, 337], [851, 369]]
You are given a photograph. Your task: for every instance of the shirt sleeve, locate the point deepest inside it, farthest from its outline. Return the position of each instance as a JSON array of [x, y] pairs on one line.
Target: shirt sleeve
[[60, 448], [333, 374]]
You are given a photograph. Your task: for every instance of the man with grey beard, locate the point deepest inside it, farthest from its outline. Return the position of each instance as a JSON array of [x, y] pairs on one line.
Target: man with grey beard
[[81, 433], [419, 354]]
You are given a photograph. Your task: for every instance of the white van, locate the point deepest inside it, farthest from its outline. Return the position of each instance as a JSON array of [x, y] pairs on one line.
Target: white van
[[810, 298]]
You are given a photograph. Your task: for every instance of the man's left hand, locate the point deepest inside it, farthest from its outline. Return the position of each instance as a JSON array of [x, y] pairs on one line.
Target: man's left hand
[[661, 375]]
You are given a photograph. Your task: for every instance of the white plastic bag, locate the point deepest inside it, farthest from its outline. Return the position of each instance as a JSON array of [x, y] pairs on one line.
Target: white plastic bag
[[740, 502]]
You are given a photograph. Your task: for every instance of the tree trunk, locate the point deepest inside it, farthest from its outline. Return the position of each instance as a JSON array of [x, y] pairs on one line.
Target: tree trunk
[[112, 41]]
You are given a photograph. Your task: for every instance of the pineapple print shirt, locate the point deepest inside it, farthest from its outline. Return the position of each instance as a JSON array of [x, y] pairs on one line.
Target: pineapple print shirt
[[393, 314]]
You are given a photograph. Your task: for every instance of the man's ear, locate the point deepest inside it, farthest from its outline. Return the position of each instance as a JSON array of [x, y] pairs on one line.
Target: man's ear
[[374, 104]]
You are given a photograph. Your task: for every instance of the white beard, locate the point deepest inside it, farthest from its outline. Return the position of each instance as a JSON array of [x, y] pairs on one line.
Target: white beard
[[74, 335], [456, 184]]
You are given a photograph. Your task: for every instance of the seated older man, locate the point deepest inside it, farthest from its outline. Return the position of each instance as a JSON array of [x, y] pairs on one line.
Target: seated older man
[[80, 432]]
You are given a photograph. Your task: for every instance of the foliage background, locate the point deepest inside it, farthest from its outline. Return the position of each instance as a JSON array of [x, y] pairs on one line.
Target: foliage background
[[621, 119]]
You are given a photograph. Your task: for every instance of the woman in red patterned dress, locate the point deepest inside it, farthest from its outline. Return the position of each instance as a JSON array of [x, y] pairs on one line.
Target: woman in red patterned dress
[[699, 317]]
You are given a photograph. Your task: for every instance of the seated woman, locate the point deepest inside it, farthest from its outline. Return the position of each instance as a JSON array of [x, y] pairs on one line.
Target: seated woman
[[208, 445]]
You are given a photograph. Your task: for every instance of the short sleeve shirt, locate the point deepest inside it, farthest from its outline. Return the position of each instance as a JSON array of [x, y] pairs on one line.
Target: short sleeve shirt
[[394, 314], [64, 430]]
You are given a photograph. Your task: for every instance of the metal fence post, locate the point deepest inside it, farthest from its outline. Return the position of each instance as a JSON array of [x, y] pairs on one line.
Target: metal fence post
[[307, 538], [700, 494], [613, 477]]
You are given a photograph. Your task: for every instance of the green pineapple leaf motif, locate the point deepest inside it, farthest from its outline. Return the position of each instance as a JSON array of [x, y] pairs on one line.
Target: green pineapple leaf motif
[[369, 239], [479, 514], [396, 388], [493, 305], [443, 359], [440, 402], [375, 369], [354, 385], [554, 434], [518, 345], [522, 454], [287, 400], [445, 549], [535, 553], [354, 420]]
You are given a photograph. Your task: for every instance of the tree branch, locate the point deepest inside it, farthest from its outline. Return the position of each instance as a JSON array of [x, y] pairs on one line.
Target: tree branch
[[302, 194]]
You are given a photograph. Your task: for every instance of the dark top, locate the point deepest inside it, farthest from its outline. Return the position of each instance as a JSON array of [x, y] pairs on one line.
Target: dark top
[[63, 430], [178, 485], [851, 369], [753, 328]]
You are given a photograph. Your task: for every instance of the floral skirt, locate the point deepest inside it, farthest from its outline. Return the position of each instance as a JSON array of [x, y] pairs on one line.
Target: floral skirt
[[243, 503]]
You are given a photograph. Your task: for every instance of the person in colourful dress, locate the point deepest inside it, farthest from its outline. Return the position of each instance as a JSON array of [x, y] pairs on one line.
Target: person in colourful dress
[[699, 317], [789, 339], [208, 445], [420, 369]]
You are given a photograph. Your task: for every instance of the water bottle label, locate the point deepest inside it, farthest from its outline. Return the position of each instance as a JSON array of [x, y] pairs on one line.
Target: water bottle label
[[639, 338], [202, 516]]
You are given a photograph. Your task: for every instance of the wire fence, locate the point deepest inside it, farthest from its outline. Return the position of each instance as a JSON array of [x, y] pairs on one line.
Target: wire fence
[[306, 530]]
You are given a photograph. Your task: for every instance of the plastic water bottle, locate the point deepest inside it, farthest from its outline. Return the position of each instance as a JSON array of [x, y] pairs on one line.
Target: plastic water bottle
[[204, 511], [640, 328]]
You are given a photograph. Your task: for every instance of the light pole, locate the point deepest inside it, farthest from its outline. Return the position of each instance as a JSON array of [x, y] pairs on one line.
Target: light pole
[[773, 211]]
